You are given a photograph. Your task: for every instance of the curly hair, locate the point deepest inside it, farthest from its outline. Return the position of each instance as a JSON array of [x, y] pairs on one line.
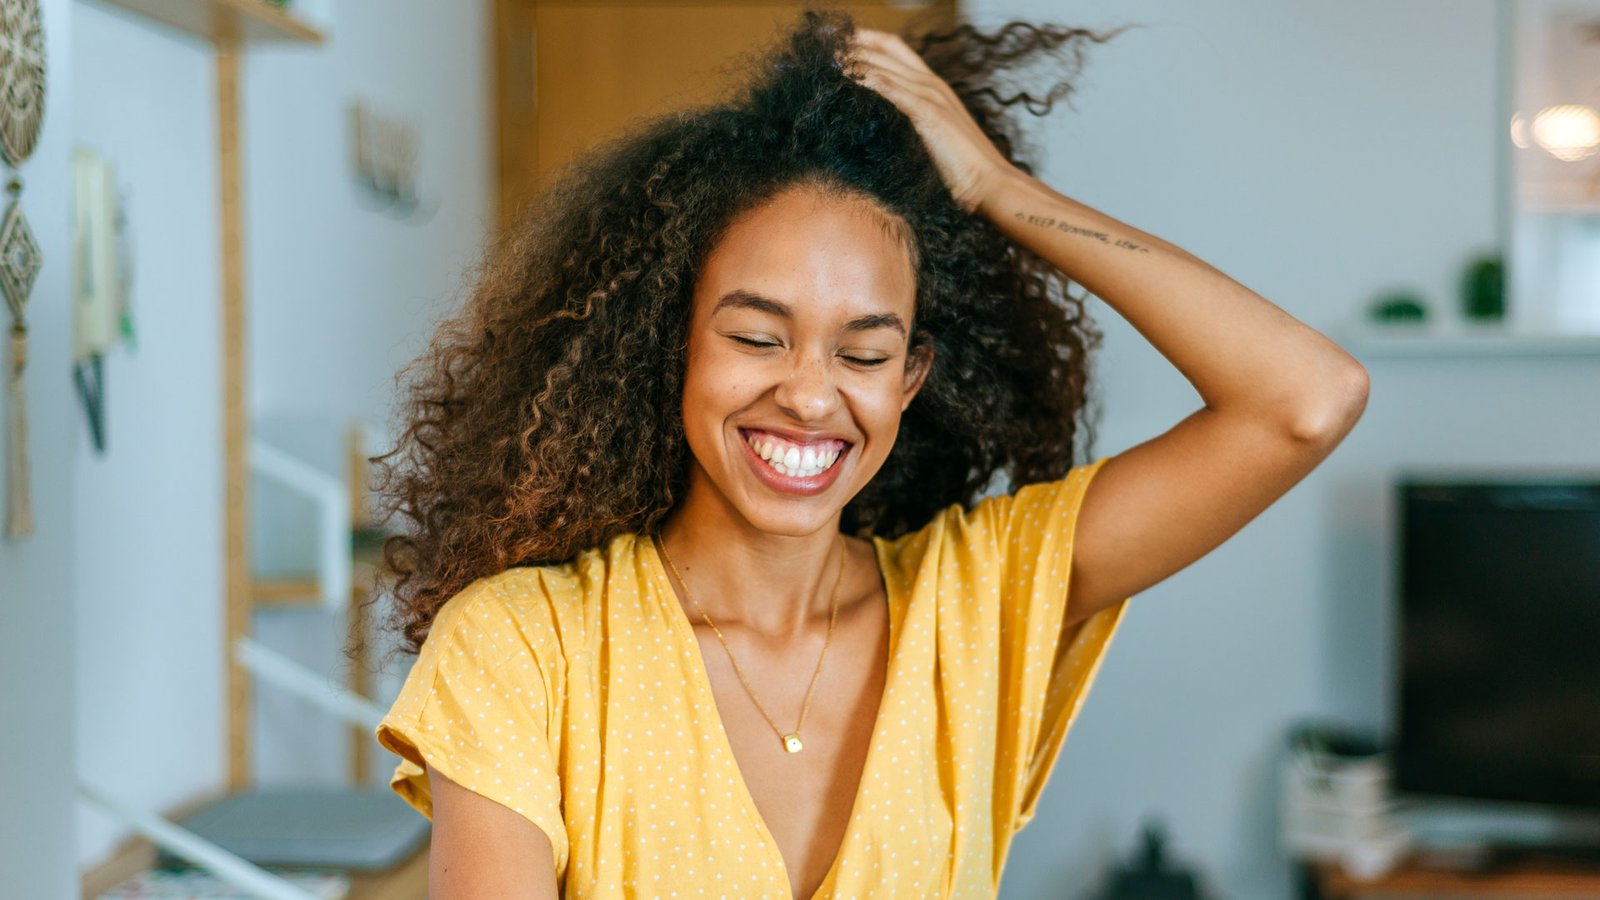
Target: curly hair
[[545, 416]]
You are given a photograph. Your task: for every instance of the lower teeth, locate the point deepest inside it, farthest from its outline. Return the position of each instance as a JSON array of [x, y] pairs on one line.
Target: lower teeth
[[797, 473]]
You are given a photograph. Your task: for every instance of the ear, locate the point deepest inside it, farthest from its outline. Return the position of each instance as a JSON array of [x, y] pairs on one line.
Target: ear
[[919, 360]]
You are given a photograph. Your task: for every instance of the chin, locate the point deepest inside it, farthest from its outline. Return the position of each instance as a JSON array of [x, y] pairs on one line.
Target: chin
[[800, 523]]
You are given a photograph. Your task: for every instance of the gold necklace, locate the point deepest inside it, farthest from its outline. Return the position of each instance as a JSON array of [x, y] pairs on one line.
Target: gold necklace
[[791, 741]]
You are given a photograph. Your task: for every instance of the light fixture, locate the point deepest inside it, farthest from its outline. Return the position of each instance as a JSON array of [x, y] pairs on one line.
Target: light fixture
[[1570, 132]]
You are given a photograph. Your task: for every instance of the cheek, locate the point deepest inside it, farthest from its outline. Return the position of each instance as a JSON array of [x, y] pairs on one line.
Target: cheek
[[886, 418], [716, 384], [877, 411]]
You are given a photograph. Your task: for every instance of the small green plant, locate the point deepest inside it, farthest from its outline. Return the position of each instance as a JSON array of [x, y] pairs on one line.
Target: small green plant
[[1398, 306]]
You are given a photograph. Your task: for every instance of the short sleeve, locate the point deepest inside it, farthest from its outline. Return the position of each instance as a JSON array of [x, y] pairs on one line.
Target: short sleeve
[[477, 705], [1046, 670]]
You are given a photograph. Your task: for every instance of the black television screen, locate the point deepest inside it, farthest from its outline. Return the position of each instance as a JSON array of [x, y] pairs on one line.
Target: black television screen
[[1499, 669]]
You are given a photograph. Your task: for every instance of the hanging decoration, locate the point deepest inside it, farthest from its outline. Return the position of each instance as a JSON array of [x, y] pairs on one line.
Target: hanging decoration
[[101, 313], [22, 85]]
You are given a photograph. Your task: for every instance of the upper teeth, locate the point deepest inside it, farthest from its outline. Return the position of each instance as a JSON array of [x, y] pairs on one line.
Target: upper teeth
[[801, 460]]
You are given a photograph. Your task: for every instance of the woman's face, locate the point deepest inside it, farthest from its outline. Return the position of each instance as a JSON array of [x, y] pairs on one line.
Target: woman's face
[[798, 366]]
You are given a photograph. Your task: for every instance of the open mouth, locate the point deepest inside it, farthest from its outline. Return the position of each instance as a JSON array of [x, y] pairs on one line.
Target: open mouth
[[792, 459]]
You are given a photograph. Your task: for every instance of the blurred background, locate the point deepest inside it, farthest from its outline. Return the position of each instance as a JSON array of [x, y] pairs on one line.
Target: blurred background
[[242, 218]]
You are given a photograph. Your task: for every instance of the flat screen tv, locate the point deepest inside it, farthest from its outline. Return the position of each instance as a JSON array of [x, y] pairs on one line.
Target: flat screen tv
[[1499, 639]]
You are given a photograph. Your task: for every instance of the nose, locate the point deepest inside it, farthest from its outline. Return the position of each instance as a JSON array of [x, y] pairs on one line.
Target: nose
[[807, 392]]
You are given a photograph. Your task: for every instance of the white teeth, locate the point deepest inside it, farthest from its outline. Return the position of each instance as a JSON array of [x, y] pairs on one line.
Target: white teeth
[[793, 461]]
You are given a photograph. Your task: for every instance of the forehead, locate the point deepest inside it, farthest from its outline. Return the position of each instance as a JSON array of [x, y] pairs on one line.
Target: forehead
[[816, 252]]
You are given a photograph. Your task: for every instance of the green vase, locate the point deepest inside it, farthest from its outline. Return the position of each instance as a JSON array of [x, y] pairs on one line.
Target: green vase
[[1483, 290]]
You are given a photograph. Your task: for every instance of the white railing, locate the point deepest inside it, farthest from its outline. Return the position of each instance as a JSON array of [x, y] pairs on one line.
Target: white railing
[[244, 875], [287, 675], [332, 498]]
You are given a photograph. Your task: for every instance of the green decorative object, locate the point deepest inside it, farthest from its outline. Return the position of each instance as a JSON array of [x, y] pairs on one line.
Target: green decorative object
[[1483, 289], [1398, 306]]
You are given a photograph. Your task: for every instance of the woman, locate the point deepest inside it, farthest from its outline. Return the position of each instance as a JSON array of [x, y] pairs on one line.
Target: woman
[[706, 591]]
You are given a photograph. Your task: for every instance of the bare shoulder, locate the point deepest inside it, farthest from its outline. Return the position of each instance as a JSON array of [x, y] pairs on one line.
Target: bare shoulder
[[483, 849]]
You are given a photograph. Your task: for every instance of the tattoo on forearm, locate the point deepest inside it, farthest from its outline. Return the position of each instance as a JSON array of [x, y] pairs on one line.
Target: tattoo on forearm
[[1068, 228]]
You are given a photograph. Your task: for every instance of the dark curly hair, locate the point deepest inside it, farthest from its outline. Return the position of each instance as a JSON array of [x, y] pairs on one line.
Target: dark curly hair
[[545, 417]]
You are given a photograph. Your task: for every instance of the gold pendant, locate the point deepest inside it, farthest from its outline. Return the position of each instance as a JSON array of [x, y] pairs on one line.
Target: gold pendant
[[791, 742]]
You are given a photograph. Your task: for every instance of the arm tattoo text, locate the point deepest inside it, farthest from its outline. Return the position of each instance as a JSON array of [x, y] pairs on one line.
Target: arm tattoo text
[[1067, 228]]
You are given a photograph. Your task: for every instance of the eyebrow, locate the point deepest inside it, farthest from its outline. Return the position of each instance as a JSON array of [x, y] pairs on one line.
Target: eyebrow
[[740, 298]]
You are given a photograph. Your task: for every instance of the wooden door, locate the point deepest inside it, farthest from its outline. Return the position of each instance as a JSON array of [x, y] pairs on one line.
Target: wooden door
[[571, 72]]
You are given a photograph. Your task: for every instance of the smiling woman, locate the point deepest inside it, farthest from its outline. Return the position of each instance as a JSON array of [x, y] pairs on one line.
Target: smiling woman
[[535, 423], [710, 442], [797, 318]]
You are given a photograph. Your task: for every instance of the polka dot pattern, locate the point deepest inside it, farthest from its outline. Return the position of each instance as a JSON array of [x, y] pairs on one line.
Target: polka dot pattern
[[576, 696]]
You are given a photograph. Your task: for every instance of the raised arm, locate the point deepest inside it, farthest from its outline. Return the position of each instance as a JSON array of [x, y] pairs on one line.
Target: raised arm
[[1278, 396]]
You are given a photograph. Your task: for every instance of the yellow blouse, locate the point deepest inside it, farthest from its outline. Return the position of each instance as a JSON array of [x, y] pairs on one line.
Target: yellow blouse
[[575, 695]]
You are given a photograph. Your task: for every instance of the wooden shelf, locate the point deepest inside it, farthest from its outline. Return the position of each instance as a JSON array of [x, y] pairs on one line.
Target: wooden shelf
[[283, 592], [304, 591], [1521, 880], [251, 21]]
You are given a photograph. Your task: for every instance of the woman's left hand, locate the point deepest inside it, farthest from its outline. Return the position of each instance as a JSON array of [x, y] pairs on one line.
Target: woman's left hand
[[970, 164]]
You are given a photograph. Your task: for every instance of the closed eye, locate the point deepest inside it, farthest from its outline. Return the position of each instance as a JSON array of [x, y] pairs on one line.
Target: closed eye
[[853, 359]]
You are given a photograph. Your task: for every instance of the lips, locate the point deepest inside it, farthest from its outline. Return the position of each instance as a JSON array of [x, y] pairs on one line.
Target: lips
[[796, 439], [787, 440]]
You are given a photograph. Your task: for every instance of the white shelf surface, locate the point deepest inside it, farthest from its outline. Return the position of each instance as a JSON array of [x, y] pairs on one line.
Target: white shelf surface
[[1433, 340]]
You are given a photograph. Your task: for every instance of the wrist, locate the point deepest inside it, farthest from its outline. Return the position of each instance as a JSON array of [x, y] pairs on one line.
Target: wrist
[[1003, 184]]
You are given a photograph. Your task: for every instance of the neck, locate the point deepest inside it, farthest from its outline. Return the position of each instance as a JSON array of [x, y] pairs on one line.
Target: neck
[[774, 584]]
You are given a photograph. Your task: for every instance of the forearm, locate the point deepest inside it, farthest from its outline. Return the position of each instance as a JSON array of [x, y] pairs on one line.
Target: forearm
[[1241, 352]]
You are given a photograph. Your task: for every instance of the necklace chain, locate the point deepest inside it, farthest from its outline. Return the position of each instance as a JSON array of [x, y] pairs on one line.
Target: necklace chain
[[791, 741]]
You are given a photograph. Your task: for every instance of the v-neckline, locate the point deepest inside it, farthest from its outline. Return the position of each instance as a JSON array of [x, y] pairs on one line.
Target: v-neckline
[[702, 677]]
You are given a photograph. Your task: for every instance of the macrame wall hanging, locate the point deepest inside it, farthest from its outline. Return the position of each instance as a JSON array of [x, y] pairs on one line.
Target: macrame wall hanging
[[21, 112]]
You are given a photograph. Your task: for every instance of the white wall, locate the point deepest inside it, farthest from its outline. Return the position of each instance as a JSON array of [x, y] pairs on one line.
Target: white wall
[[1319, 154], [37, 610], [339, 297], [343, 295], [149, 510]]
